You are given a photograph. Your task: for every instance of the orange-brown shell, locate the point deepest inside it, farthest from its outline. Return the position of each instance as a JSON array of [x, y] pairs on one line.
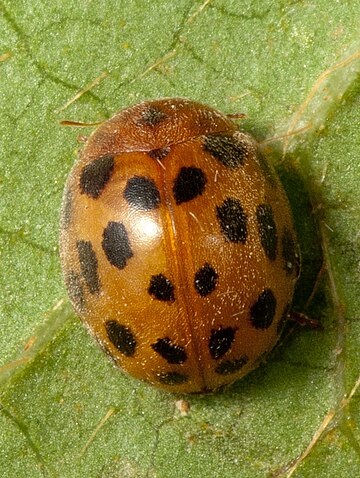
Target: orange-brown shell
[[177, 245]]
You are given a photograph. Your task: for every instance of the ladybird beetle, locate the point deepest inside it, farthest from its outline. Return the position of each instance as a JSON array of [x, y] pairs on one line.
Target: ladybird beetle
[[177, 245]]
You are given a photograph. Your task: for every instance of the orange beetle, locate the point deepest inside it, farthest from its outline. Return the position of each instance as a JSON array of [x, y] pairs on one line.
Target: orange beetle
[[178, 246]]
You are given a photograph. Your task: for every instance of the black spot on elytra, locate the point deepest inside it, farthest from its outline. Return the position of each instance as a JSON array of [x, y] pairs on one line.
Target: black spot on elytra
[[172, 353], [227, 149], [141, 193], [267, 170], [262, 312], [161, 288], [172, 378], [205, 280], [121, 337], [116, 244], [95, 176], [189, 183], [159, 154], [290, 253], [220, 341], [66, 210], [227, 367], [151, 116], [88, 265], [267, 230], [75, 290], [232, 220]]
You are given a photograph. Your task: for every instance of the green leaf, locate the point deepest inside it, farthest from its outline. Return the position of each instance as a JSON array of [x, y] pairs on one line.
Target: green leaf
[[290, 67]]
